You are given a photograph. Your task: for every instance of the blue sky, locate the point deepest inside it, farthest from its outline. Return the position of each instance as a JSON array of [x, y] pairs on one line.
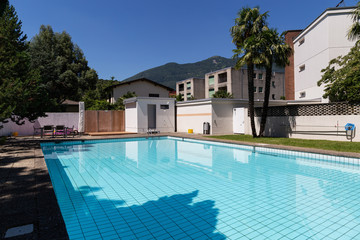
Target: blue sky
[[122, 38]]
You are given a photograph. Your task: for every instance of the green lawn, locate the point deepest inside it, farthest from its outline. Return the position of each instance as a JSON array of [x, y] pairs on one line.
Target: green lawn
[[319, 144]]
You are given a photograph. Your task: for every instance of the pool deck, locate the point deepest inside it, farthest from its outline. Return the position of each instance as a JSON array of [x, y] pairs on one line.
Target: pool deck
[[26, 192]]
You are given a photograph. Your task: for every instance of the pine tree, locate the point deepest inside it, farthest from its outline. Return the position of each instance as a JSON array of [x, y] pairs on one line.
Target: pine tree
[[21, 96]]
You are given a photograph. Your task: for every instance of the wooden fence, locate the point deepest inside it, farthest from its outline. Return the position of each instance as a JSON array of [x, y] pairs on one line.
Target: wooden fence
[[104, 121]]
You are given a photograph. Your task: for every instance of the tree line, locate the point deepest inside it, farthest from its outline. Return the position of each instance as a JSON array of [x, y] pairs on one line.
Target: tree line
[[36, 76]]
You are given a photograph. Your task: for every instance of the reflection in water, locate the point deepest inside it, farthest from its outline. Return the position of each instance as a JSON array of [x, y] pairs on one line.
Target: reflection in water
[[252, 194], [194, 154]]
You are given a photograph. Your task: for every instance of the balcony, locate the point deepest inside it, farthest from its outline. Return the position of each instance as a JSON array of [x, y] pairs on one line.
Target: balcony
[[222, 78]]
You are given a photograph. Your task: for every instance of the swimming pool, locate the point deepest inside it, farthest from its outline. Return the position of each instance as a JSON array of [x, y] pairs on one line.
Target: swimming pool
[[174, 188]]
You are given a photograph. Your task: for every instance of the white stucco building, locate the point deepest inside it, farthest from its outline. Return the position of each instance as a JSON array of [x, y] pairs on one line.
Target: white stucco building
[[324, 39], [144, 113], [218, 112]]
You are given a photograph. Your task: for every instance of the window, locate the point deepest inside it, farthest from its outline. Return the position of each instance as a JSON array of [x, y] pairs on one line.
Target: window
[[154, 95], [164, 106], [254, 75], [181, 87], [211, 80], [211, 92], [302, 94], [273, 84], [302, 68], [222, 78], [301, 42], [260, 76], [188, 85], [260, 89], [254, 89], [273, 97], [188, 96]]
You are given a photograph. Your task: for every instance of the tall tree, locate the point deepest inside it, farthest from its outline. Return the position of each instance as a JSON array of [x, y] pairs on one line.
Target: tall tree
[[273, 49], [354, 32], [21, 95], [249, 25], [63, 67], [3, 5]]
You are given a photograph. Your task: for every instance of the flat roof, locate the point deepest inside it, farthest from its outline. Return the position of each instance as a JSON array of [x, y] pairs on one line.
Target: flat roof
[[69, 102], [193, 78], [245, 101], [321, 16], [134, 99], [274, 69]]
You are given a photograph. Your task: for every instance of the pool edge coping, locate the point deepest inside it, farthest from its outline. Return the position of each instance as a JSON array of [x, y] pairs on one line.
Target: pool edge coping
[[207, 138]]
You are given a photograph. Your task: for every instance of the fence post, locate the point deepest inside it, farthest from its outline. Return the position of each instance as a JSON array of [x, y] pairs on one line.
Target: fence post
[[81, 124]]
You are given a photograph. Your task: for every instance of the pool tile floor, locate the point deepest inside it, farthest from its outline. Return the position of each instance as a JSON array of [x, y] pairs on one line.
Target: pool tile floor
[[141, 190]]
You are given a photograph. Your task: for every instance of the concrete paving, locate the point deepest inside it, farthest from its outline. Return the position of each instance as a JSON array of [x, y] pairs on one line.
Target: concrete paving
[[26, 193]]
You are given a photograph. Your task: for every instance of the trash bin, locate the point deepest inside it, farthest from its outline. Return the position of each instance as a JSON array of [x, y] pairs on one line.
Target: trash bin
[[206, 128], [350, 131]]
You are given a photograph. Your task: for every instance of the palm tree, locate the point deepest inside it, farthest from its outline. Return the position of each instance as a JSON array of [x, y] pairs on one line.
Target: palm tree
[[354, 32], [273, 50], [222, 94], [179, 98], [245, 33]]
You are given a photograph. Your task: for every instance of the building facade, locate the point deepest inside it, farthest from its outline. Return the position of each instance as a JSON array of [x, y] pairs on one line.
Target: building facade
[[190, 89], [144, 113], [236, 82], [324, 39], [141, 87]]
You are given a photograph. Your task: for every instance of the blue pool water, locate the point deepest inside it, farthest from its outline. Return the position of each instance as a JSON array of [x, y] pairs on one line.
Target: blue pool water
[[169, 188]]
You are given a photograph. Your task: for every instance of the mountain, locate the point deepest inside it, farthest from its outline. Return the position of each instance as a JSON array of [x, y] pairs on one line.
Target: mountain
[[168, 74]]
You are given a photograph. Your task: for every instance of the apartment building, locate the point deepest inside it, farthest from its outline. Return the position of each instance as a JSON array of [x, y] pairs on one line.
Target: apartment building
[[236, 82], [192, 88], [324, 39]]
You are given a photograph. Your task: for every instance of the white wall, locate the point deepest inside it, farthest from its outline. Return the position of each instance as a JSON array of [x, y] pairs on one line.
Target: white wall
[[287, 126], [131, 117], [69, 119], [222, 121], [325, 39], [192, 116], [136, 119], [218, 112]]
